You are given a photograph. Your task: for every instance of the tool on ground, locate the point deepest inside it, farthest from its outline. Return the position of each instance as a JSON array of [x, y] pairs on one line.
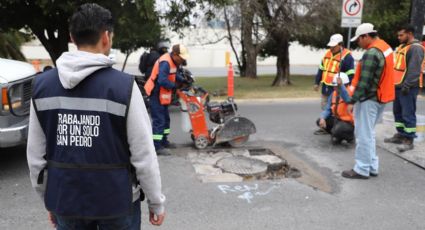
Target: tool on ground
[[232, 128]]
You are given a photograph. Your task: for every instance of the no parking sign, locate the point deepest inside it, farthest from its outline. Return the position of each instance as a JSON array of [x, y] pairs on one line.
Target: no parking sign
[[351, 15]]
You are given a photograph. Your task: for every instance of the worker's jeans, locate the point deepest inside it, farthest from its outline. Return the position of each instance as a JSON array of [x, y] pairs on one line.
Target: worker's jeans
[[404, 109], [132, 222], [366, 116]]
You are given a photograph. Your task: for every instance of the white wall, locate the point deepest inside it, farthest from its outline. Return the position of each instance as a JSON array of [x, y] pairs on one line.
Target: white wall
[[201, 55]]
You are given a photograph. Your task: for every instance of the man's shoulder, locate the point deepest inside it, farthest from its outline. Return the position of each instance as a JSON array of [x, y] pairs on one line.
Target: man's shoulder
[[373, 52], [114, 72], [416, 47], [48, 75]]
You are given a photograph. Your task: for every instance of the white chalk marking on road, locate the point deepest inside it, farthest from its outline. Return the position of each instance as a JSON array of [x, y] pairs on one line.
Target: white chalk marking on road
[[249, 192]]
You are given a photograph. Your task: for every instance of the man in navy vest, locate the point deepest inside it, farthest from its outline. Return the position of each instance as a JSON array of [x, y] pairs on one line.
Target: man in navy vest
[[90, 149]]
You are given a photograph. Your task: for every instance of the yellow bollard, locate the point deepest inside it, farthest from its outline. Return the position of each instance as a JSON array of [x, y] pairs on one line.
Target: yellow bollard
[[227, 58]]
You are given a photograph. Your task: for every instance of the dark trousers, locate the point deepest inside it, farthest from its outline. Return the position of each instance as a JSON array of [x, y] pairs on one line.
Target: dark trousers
[[404, 109], [341, 130], [160, 122], [132, 222]]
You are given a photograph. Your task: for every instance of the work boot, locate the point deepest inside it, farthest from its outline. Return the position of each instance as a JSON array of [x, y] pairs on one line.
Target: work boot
[[396, 139], [406, 145], [351, 174], [336, 140], [320, 132], [163, 152], [170, 145]]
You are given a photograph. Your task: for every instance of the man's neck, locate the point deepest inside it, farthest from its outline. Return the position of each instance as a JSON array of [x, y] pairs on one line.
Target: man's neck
[[91, 49]]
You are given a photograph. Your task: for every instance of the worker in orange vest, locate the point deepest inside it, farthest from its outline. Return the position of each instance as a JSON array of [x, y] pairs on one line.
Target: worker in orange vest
[[337, 59], [373, 85], [335, 118], [408, 77], [159, 87]]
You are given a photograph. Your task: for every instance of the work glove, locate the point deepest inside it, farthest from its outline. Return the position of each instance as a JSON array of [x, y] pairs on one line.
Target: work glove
[[405, 90]]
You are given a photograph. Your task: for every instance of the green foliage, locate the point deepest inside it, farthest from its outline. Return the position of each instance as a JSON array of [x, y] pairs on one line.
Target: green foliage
[[387, 16], [10, 43], [137, 23], [181, 13], [315, 28]]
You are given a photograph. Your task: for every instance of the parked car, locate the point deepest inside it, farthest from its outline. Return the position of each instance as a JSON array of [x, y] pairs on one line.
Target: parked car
[[15, 97]]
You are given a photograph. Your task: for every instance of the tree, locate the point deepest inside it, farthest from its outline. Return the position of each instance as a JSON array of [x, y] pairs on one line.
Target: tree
[[306, 21], [48, 21], [417, 12], [10, 44], [138, 26], [387, 19]]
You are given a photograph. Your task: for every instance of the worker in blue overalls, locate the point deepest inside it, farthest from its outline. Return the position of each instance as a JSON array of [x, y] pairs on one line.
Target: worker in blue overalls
[[160, 85]]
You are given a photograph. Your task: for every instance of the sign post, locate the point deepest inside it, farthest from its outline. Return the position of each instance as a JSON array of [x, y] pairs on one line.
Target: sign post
[[351, 15]]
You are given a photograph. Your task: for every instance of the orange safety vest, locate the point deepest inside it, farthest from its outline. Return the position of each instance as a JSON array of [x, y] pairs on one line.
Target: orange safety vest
[[339, 110], [386, 87], [331, 64], [165, 95], [400, 65]]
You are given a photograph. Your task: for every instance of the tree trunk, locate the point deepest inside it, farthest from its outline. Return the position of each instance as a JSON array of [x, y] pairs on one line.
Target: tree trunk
[[127, 54], [241, 66], [246, 34], [54, 46], [282, 63], [417, 11]]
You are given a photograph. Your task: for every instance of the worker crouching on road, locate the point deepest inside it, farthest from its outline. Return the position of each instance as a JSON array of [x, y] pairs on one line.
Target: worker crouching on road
[[335, 119], [337, 59], [160, 85], [408, 69]]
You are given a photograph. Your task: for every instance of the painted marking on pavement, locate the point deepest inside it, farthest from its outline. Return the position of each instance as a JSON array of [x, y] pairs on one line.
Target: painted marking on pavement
[[247, 192]]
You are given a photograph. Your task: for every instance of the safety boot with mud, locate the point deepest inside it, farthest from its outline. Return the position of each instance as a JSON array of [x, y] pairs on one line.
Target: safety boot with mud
[[406, 145], [396, 139], [163, 152]]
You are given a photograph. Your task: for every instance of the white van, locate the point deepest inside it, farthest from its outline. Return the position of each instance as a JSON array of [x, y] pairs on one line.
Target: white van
[[15, 97]]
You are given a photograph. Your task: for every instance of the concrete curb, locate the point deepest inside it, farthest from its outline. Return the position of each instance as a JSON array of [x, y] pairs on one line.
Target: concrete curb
[[415, 156]]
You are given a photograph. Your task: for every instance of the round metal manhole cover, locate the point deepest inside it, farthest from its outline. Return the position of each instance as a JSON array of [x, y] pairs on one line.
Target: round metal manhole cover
[[242, 165]]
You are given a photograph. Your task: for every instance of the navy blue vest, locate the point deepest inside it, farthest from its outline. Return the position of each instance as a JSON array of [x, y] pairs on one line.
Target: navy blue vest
[[86, 144]]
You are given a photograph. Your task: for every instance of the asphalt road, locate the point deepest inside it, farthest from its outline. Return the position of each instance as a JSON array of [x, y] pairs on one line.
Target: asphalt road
[[394, 200]]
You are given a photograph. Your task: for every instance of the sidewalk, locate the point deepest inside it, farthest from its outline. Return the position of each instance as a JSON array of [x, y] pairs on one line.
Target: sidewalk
[[386, 129]]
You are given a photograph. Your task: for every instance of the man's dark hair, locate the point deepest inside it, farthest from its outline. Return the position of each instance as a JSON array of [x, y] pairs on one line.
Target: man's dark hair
[[407, 28], [372, 35], [88, 23]]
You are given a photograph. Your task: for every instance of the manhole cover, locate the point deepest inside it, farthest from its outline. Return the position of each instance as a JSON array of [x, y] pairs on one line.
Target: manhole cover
[[242, 165]]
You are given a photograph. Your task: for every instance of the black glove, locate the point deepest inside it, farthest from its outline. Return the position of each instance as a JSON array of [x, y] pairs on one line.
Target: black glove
[[405, 90]]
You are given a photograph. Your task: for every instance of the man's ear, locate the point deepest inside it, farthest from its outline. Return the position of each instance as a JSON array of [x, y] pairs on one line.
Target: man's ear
[[106, 39]]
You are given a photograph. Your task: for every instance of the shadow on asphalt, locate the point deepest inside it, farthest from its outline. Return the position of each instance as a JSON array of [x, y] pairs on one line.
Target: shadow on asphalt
[[11, 157]]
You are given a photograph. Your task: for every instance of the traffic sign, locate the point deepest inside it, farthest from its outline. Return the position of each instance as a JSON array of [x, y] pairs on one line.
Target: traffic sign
[[351, 15]]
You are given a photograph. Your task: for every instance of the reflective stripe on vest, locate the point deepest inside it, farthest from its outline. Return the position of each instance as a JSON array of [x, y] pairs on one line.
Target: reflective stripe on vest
[[386, 88], [165, 95], [400, 65], [340, 111], [331, 64], [78, 103]]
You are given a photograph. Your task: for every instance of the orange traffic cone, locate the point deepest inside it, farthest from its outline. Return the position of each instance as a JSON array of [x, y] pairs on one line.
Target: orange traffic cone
[[230, 81]]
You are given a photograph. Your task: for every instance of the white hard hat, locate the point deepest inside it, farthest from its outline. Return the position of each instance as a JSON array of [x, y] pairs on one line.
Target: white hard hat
[[344, 78], [364, 28], [335, 40]]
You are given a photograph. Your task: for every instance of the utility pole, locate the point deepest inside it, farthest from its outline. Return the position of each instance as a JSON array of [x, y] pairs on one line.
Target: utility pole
[[417, 17]]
